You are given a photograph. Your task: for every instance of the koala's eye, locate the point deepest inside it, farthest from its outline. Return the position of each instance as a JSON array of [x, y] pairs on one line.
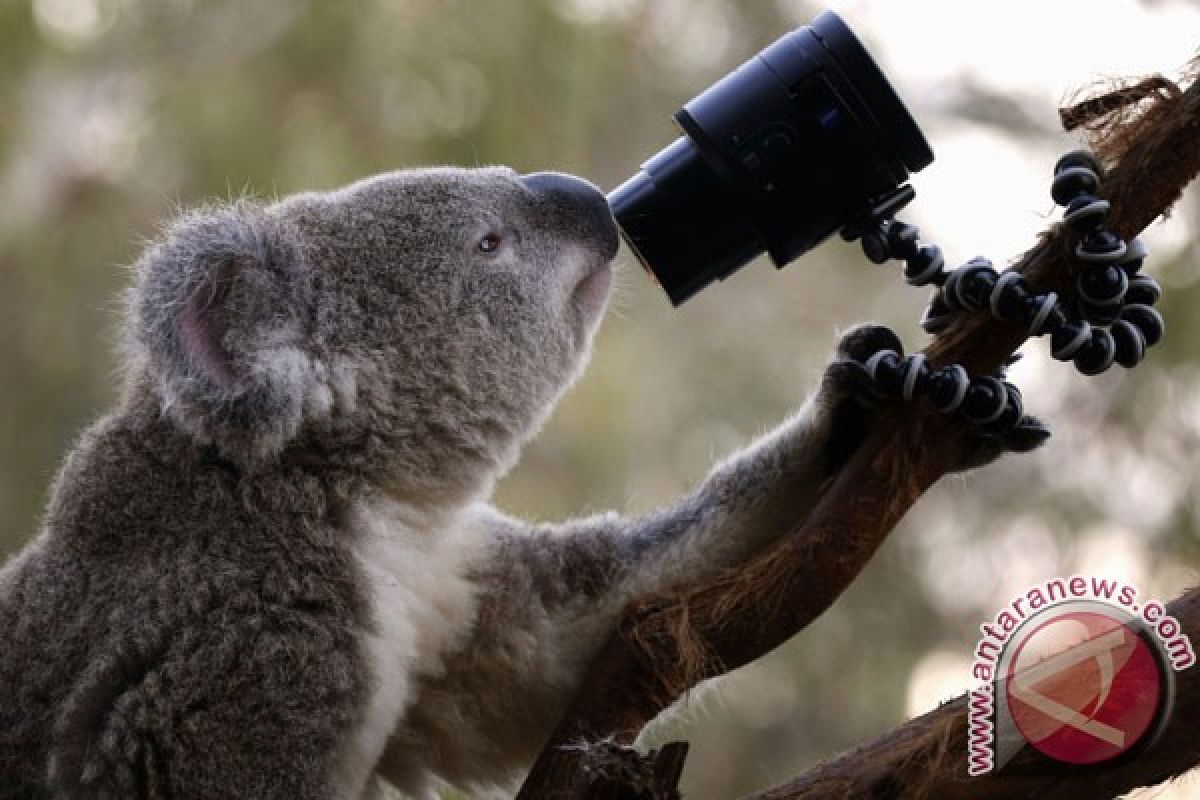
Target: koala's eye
[[490, 243]]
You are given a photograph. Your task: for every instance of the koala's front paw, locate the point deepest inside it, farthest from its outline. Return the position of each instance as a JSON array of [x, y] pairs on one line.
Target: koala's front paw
[[847, 377], [852, 396], [848, 392]]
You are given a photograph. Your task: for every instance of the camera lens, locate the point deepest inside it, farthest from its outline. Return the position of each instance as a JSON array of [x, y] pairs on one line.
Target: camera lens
[[775, 157]]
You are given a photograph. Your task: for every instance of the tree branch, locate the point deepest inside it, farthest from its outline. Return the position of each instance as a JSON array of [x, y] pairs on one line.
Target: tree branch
[[668, 643]]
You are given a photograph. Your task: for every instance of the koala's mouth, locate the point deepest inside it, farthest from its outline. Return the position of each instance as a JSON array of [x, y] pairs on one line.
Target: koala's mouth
[[591, 293]]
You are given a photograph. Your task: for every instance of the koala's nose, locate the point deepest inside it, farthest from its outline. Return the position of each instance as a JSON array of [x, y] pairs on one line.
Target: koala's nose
[[581, 205]]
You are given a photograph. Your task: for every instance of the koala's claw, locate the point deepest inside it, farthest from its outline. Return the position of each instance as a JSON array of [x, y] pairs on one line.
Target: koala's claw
[[1028, 434], [851, 380]]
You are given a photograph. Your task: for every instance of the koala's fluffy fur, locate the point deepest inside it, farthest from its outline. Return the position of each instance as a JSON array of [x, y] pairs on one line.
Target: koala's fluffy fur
[[272, 571]]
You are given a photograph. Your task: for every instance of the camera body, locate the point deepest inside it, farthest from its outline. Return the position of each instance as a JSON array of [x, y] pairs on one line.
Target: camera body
[[776, 156]]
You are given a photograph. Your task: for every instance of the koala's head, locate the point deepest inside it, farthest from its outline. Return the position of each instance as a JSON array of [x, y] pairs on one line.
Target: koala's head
[[417, 325]]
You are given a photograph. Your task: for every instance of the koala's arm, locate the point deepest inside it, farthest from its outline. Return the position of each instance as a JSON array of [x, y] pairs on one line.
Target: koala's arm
[[746, 502], [548, 596]]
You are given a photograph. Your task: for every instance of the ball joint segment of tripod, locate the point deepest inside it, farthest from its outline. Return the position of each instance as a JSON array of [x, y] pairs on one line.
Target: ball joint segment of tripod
[[988, 401], [775, 157], [1109, 319]]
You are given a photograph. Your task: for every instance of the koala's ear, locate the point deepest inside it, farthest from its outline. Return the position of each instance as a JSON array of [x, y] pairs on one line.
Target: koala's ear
[[222, 316], [203, 320]]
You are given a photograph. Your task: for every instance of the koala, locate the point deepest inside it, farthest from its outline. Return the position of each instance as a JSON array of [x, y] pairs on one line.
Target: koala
[[273, 570]]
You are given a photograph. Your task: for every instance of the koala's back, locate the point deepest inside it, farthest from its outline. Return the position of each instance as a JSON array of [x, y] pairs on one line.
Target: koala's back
[[39, 653], [173, 620]]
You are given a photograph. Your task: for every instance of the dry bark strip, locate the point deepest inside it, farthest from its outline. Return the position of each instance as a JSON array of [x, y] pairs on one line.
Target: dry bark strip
[[668, 643]]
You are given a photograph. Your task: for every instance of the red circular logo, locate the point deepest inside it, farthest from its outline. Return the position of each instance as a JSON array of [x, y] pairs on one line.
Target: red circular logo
[[1084, 687]]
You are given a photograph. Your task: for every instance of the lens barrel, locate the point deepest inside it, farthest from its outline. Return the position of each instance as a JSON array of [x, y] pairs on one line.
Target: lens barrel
[[775, 157]]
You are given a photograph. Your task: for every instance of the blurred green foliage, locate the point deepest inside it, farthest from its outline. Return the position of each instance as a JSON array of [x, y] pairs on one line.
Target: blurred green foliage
[[116, 112]]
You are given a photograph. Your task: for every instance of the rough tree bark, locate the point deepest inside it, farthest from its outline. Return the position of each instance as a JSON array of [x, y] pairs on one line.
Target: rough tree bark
[[1149, 134]]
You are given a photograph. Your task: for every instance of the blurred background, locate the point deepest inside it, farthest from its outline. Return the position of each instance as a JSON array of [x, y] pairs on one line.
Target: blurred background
[[118, 112]]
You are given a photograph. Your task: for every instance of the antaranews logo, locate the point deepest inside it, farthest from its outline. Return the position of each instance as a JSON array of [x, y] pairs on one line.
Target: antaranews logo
[[1077, 668]]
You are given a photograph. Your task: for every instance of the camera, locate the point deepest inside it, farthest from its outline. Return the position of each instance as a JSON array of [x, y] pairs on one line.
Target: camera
[[795, 144]]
